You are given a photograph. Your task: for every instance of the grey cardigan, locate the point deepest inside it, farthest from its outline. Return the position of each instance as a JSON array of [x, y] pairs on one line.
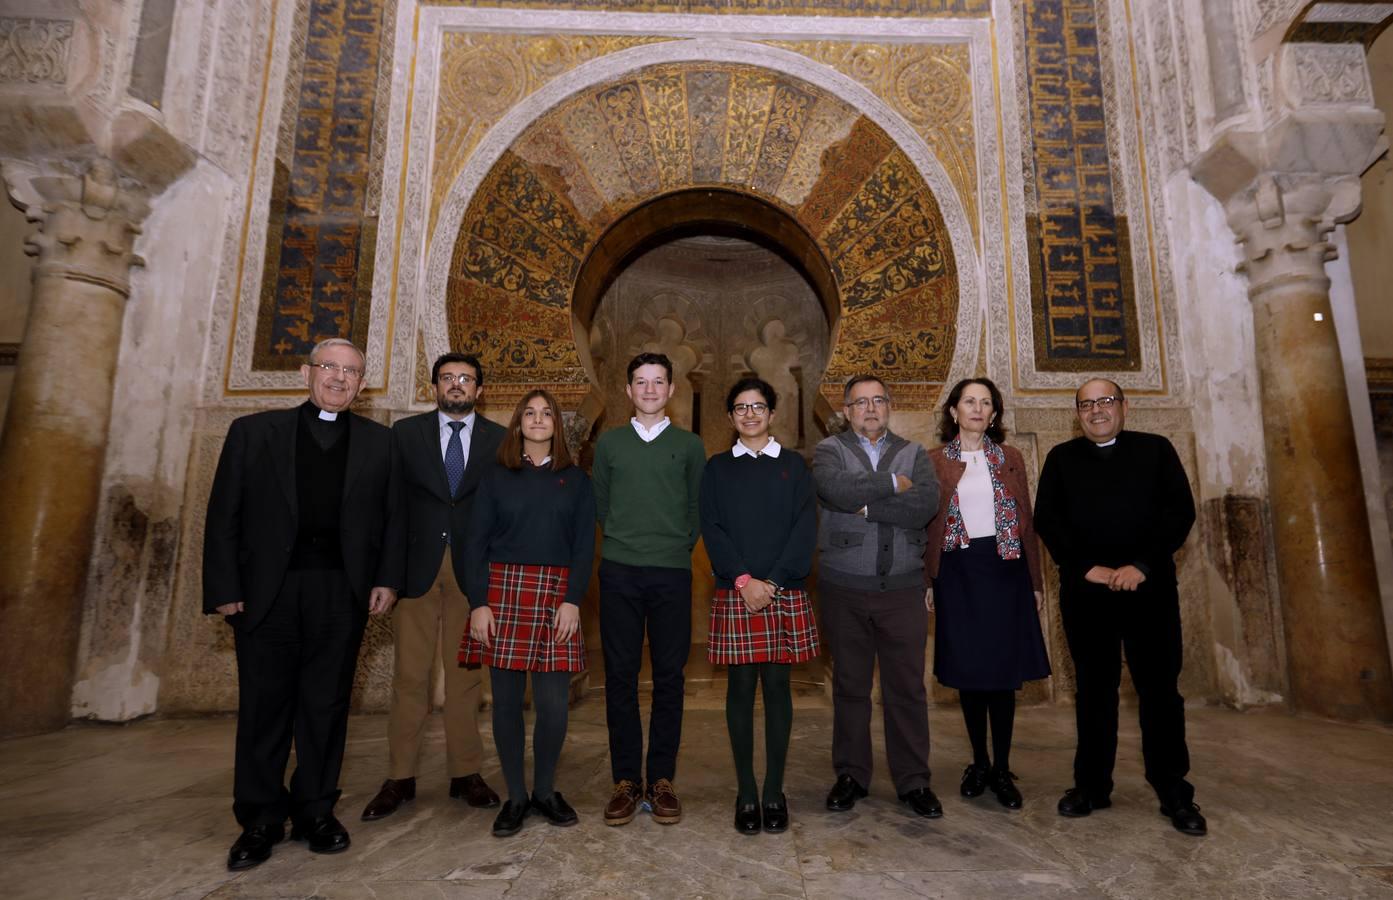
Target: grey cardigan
[[883, 550]]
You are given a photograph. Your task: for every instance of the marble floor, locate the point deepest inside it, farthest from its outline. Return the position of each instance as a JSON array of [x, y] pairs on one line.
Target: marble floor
[[1297, 808]]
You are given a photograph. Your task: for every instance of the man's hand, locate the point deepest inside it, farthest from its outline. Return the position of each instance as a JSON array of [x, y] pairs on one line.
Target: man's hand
[[1099, 575], [1127, 578], [929, 598], [481, 627], [756, 594], [381, 600], [1039, 602], [902, 484], [564, 623], [230, 609]]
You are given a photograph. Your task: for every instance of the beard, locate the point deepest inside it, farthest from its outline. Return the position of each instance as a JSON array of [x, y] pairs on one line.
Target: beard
[[455, 407]]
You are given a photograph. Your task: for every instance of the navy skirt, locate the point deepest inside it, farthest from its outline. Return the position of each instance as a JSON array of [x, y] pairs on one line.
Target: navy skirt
[[988, 633]]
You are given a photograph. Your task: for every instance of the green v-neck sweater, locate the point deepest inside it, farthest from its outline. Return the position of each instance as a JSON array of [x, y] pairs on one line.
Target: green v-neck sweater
[[647, 496]]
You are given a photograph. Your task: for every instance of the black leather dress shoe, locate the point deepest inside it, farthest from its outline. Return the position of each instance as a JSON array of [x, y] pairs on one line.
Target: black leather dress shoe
[[1076, 803], [776, 815], [393, 793], [844, 794], [325, 835], [555, 809], [747, 817], [923, 802], [1003, 785], [975, 780], [473, 790], [510, 818], [1186, 818], [254, 846]]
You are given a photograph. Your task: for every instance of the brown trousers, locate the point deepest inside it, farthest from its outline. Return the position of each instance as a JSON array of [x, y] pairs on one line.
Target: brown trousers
[[864, 628], [421, 624]]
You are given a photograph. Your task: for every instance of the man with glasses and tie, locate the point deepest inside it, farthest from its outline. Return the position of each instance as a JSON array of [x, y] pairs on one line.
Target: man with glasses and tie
[[441, 454], [877, 491], [1113, 507], [297, 552]]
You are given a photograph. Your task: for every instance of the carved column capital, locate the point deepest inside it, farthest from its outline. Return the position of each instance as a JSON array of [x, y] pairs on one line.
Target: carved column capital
[[1282, 222], [86, 220], [1284, 187]]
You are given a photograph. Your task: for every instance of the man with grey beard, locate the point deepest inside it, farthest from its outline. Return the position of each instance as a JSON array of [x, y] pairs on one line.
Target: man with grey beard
[[442, 455]]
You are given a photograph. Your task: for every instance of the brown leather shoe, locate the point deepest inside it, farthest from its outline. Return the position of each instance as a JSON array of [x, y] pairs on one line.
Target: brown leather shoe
[[623, 805], [667, 809], [394, 792], [473, 790]]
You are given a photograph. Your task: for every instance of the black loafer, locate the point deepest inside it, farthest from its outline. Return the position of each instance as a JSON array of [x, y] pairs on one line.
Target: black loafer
[[747, 817], [1187, 819], [844, 794], [974, 780], [325, 835], [776, 815], [472, 789], [1076, 803], [555, 809], [1007, 794], [923, 802], [510, 819], [254, 846]]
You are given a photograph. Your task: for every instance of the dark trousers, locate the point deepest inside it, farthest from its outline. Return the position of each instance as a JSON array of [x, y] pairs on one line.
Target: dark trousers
[[294, 678], [892, 626], [635, 600], [1100, 625]]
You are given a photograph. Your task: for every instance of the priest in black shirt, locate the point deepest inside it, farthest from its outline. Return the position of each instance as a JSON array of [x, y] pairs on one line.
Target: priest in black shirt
[[1113, 507], [296, 555]]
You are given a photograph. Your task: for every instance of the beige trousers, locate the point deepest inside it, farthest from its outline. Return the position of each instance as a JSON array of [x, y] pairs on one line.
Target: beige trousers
[[421, 625]]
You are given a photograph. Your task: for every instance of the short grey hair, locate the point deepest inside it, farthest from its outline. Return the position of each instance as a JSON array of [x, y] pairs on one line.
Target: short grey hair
[[337, 342]]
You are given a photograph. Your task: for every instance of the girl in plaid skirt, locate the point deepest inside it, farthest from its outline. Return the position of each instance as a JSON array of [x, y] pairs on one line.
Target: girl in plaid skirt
[[760, 526], [528, 555]]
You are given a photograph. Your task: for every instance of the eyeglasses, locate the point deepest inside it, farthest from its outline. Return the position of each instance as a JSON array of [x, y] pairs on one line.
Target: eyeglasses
[[452, 378], [860, 403], [352, 372], [758, 409], [1104, 402]]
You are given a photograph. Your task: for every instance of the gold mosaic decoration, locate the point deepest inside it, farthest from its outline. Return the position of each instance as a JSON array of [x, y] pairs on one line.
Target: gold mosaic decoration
[[483, 75], [748, 7], [929, 84], [602, 153]]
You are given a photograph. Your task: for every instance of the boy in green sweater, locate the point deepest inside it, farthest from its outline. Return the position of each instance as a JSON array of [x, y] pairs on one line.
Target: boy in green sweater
[[647, 478]]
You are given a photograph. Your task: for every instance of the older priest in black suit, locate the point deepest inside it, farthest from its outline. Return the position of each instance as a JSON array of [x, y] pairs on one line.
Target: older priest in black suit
[[441, 456], [1113, 507], [296, 554]]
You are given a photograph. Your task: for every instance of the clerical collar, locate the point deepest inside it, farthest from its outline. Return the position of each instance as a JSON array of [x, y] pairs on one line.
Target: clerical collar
[[1106, 443], [315, 414], [328, 416], [770, 449]]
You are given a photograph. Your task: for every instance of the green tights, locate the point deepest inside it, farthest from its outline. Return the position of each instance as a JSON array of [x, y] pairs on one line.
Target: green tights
[[778, 724]]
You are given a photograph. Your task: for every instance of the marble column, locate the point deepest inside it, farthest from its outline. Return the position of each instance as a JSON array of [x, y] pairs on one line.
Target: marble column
[[54, 442], [1336, 648]]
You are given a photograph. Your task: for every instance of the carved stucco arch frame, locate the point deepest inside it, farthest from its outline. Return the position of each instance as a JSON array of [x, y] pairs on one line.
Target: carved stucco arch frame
[[431, 306]]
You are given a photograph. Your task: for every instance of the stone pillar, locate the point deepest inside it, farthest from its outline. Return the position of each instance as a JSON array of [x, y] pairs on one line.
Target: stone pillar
[[1336, 649], [54, 442]]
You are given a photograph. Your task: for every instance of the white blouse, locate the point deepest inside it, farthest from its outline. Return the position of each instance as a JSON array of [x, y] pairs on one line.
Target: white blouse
[[975, 497]]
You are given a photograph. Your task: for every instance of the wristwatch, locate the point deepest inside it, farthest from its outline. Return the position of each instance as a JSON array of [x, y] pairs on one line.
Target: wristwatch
[[741, 581]]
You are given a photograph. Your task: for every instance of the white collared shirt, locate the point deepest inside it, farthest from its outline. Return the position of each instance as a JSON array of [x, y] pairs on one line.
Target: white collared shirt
[[446, 431], [649, 435], [772, 448]]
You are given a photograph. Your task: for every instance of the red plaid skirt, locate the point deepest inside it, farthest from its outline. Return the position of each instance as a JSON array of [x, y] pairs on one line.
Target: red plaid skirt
[[785, 631], [524, 601]]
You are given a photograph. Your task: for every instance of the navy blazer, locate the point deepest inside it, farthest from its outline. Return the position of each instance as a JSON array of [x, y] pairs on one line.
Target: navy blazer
[[429, 516]]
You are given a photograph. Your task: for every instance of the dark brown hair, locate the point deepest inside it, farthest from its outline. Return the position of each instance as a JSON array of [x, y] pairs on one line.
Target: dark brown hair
[[948, 429], [510, 451]]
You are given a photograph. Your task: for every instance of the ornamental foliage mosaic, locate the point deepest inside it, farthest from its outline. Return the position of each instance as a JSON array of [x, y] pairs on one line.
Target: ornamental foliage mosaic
[[673, 127]]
